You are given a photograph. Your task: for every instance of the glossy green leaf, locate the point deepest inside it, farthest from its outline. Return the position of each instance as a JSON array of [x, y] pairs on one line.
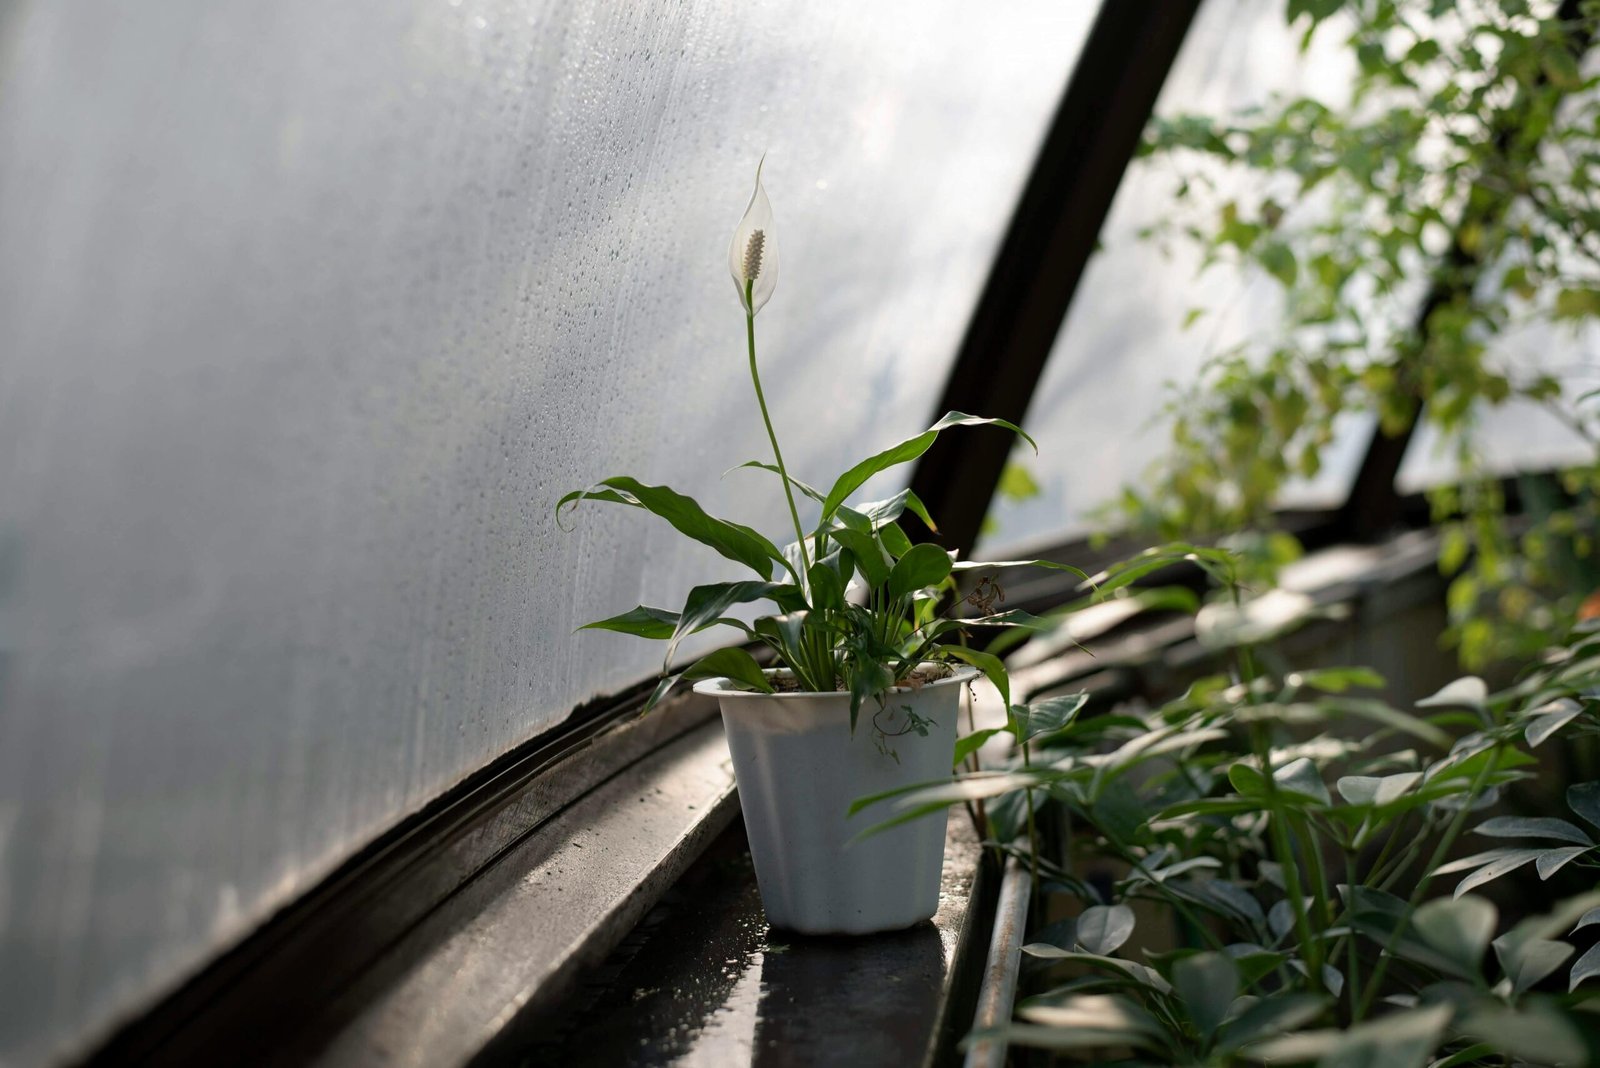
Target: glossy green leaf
[[999, 565], [733, 663], [1338, 680], [827, 589], [732, 540], [706, 604], [1047, 716], [643, 622], [968, 744], [810, 491], [992, 668], [904, 452], [868, 555], [923, 566]]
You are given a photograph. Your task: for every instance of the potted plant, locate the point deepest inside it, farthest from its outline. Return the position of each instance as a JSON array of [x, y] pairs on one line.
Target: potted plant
[[867, 669]]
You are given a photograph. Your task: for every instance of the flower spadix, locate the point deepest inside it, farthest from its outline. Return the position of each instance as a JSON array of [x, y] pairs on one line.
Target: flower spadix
[[753, 254]]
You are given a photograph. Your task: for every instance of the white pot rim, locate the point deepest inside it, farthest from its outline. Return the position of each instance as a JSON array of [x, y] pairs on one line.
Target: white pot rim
[[723, 687]]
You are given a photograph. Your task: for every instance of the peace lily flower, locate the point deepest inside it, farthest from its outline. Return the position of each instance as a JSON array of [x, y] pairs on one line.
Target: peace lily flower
[[862, 645], [753, 254]]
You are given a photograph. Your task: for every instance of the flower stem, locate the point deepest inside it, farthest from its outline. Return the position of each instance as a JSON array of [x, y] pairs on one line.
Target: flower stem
[[777, 454]]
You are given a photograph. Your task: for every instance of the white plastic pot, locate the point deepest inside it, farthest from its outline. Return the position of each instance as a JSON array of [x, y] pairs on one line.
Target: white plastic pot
[[799, 766]]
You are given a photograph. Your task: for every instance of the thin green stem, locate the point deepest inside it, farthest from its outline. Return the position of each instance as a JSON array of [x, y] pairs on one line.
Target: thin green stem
[[1450, 834], [1283, 851], [777, 454]]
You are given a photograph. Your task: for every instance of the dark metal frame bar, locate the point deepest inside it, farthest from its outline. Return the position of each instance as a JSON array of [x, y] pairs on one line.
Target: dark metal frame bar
[[1053, 232]]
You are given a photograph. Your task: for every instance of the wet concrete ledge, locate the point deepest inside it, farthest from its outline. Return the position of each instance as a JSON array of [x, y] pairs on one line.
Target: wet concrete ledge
[[705, 982]]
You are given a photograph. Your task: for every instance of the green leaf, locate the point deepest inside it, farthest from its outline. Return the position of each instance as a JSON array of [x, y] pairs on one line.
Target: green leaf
[[810, 491], [868, 553], [1102, 929], [1469, 692], [732, 540], [997, 565], [904, 452], [732, 663], [827, 589], [1532, 827], [1338, 680], [1545, 721], [1301, 777], [925, 565], [971, 743], [1507, 861], [662, 688], [1088, 1020], [706, 604], [1279, 261], [894, 539], [1271, 1016], [1048, 716], [1207, 983], [1527, 962], [1400, 1040], [1584, 799], [1016, 482], [1531, 1033], [1553, 860], [1460, 929], [1577, 303], [990, 665], [644, 622], [1588, 967]]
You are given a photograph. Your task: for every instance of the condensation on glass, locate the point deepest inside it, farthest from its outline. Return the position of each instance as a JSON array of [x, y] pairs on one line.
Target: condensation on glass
[[310, 314], [1098, 411]]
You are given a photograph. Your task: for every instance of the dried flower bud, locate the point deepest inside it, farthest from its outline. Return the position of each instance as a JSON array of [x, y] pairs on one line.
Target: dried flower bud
[[753, 254]]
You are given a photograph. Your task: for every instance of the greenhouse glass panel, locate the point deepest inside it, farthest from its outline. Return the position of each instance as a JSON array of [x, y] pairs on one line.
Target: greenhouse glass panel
[[313, 311], [1145, 314]]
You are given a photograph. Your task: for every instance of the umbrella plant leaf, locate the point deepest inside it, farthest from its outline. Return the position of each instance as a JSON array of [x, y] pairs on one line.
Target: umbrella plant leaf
[[1460, 928], [1584, 799], [1587, 967], [1206, 983], [1104, 928], [1553, 860], [1468, 692], [1533, 827]]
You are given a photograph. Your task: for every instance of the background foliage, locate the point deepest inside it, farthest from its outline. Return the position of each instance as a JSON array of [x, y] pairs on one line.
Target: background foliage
[[1450, 199]]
